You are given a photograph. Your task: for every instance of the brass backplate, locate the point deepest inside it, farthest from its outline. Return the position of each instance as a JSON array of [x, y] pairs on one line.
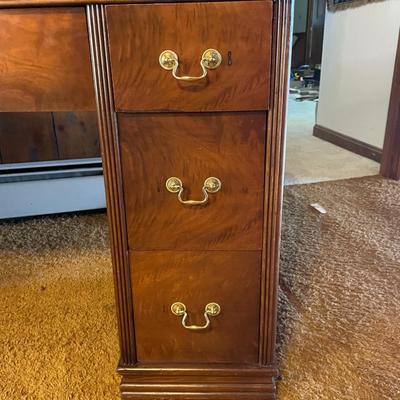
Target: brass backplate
[[178, 308], [213, 309], [168, 59], [211, 58], [212, 184], [173, 184]]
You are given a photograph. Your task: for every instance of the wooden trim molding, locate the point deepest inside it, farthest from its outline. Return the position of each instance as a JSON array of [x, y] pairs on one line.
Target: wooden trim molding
[[348, 143], [390, 166], [75, 3], [274, 180], [199, 383], [112, 177]]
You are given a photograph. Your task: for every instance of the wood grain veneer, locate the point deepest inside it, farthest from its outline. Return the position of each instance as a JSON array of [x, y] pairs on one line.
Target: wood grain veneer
[[71, 3], [230, 146], [149, 372], [42, 136], [77, 134], [44, 60], [139, 33], [26, 137], [232, 279]]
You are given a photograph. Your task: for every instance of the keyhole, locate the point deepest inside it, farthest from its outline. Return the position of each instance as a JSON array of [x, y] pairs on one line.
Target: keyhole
[[229, 57]]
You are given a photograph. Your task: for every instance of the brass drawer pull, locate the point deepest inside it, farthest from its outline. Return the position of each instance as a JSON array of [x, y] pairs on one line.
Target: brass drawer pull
[[210, 59], [211, 185], [211, 309]]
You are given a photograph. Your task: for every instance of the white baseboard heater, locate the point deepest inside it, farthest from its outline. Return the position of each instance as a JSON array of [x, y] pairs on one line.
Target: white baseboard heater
[[51, 187]]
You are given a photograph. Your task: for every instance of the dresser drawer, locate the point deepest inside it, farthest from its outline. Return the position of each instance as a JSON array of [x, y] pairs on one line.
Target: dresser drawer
[[239, 31], [195, 279], [193, 147]]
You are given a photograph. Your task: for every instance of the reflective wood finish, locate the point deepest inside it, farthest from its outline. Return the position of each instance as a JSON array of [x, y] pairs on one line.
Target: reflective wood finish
[[51, 3], [113, 183], [27, 137], [77, 134], [43, 136], [148, 280], [44, 60], [230, 279], [193, 147], [139, 33], [198, 383]]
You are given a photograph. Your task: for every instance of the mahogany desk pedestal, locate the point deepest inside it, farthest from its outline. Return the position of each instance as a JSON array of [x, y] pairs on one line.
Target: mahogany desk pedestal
[[191, 101]]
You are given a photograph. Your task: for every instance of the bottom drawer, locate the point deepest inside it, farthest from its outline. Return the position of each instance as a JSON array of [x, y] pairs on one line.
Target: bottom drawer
[[195, 279]]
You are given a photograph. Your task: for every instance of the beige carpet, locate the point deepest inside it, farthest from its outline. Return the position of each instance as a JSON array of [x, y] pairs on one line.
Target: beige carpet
[[340, 302], [57, 316], [310, 159]]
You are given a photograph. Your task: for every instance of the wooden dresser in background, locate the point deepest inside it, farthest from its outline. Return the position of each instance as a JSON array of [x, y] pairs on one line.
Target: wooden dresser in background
[[191, 100]]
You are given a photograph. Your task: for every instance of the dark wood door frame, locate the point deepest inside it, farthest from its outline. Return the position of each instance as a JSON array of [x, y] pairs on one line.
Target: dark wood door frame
[[390, 165], [315, 31]]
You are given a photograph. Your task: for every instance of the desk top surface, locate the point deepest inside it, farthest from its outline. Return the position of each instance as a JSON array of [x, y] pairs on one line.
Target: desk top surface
[[59, 3]]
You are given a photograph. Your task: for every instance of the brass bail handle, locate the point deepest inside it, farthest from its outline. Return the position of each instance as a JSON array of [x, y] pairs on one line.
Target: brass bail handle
[[210, 59], [211, 309], [211, 185]]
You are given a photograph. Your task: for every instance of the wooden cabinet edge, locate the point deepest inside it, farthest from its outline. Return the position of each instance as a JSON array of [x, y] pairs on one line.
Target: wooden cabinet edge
[[73, 3], [113, 182], [272, 203]]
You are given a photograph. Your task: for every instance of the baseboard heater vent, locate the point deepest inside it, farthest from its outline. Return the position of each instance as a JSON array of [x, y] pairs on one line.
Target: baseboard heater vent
[[49, 187], [19, 172]]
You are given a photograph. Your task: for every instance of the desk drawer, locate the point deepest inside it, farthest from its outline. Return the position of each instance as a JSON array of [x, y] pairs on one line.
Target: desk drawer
[[195, 279], [44, 60], [138, 34], [193, 147]]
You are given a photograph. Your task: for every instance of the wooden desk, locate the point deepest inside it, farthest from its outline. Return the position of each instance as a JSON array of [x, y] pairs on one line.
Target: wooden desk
[[193, 172]]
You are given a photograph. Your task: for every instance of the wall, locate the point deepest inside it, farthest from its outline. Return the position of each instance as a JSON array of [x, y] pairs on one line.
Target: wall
[[357, 69]]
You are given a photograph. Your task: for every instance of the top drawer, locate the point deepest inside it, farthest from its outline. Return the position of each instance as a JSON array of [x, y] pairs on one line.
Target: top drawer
[[139, 33]]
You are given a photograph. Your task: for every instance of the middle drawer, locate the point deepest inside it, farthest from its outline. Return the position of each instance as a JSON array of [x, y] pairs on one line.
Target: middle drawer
[[192, 148]]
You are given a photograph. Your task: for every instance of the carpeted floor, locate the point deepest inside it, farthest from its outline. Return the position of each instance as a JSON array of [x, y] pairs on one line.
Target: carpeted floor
[[340, 298], [340, 302]]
